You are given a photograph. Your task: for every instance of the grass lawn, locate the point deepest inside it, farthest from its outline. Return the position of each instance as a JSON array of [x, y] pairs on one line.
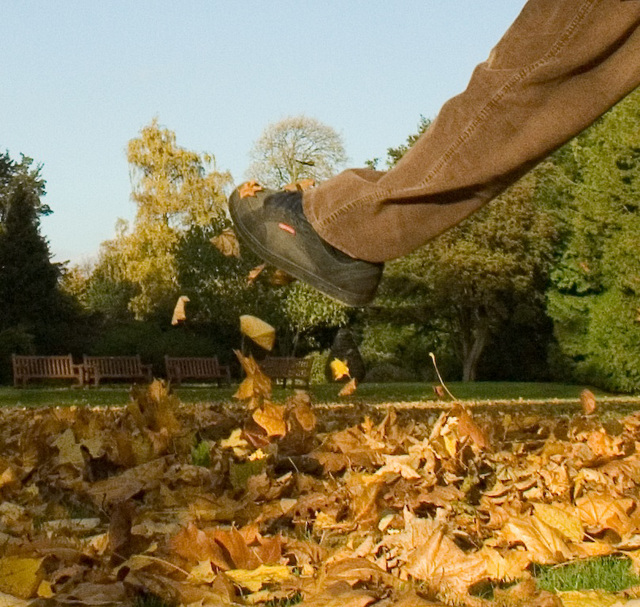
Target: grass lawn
[[367, 393]]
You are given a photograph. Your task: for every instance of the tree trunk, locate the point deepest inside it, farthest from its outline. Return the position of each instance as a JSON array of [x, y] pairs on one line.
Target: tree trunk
[[474, 345]]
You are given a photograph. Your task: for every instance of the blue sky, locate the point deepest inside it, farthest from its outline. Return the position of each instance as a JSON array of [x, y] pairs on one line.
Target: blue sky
[[80, 78]]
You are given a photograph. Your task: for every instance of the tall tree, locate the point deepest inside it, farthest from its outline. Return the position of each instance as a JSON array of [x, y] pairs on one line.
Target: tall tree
[[593, 184], [174, 189], [296, 148]]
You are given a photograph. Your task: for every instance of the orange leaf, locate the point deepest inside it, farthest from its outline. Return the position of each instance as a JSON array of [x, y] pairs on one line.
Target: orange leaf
[[588, 402], [255, 273], [227, 243], [349, 388], [300, 186], [249, 189], [271, 419]]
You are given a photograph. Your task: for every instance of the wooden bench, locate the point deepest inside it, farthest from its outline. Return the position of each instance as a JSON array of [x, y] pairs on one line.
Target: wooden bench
[[44, 367], [196, 368], [131, 368], [283, 368]]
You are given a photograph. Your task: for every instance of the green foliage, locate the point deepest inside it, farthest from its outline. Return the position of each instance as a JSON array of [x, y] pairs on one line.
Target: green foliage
[[201, 454], [593, 185], [174, 190]]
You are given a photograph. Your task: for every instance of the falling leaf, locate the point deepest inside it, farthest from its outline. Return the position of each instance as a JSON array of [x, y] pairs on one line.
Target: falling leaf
[[300, 186], [227, 243], [349, 388], [257, 330], [339, 369], [256, 386], [179, 312], [20, 577], [255, 273], [588, 402], [249, 189], [271, 419]]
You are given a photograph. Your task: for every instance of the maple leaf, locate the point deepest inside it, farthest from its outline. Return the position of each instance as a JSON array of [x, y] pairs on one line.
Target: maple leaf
[[271, 418], [227, 243], [249, 189], [179, 312]]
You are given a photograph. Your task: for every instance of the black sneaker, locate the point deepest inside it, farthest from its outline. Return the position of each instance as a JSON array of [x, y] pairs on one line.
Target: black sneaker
[[273, 225]]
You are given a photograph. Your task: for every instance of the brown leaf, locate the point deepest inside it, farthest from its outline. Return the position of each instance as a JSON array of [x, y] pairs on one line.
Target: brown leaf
[[588, 402], [256, 386], [279, 278], [227, 243], [467, 427], [249, 189]]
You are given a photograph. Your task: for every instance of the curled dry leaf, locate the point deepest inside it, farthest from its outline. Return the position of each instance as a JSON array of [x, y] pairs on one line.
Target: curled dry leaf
[[300, 186], [349, 388], [255, 273], [258, 331], [179, 312], [588, 402], [227, 243], [249, 189]]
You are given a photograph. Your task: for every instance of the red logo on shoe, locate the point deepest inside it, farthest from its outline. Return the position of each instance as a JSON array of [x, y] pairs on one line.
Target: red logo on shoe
[[287, 228]]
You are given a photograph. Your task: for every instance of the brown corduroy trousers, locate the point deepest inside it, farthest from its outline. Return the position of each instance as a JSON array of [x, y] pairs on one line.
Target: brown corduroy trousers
[[560, 66]]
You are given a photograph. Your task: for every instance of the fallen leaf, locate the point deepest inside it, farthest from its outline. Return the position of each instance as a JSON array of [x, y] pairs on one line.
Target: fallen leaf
[[179, 312], [560, 518], [227, 243], [587, 598], [249, 189], [20, 577], [254, 579], [258, 331]]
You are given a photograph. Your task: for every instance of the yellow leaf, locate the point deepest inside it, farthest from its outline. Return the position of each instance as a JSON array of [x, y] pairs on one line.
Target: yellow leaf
[[202, 573], [565, 522], [254, 579], [179, 312], [587, 598], [6, 600], [69, 451], [45, 591], [20, 577], [339, 369], [588, 402], [227, 243], [507, 566], [257, 330]]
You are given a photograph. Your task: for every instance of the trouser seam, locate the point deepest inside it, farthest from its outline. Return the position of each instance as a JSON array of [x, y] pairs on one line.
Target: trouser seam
[[480, 117]]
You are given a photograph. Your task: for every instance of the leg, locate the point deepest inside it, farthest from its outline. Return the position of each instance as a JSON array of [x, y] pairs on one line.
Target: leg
[[560, 66]]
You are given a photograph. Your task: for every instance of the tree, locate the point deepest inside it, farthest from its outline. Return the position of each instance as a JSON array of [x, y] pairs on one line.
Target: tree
[[296, 148], [593, 185], [174, 189], [465, 286]]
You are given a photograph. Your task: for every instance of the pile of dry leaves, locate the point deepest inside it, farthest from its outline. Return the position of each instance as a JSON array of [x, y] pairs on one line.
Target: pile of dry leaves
[[264, 504]]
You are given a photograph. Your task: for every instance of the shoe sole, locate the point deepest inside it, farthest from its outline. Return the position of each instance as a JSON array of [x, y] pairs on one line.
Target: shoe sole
[[345, 297]]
